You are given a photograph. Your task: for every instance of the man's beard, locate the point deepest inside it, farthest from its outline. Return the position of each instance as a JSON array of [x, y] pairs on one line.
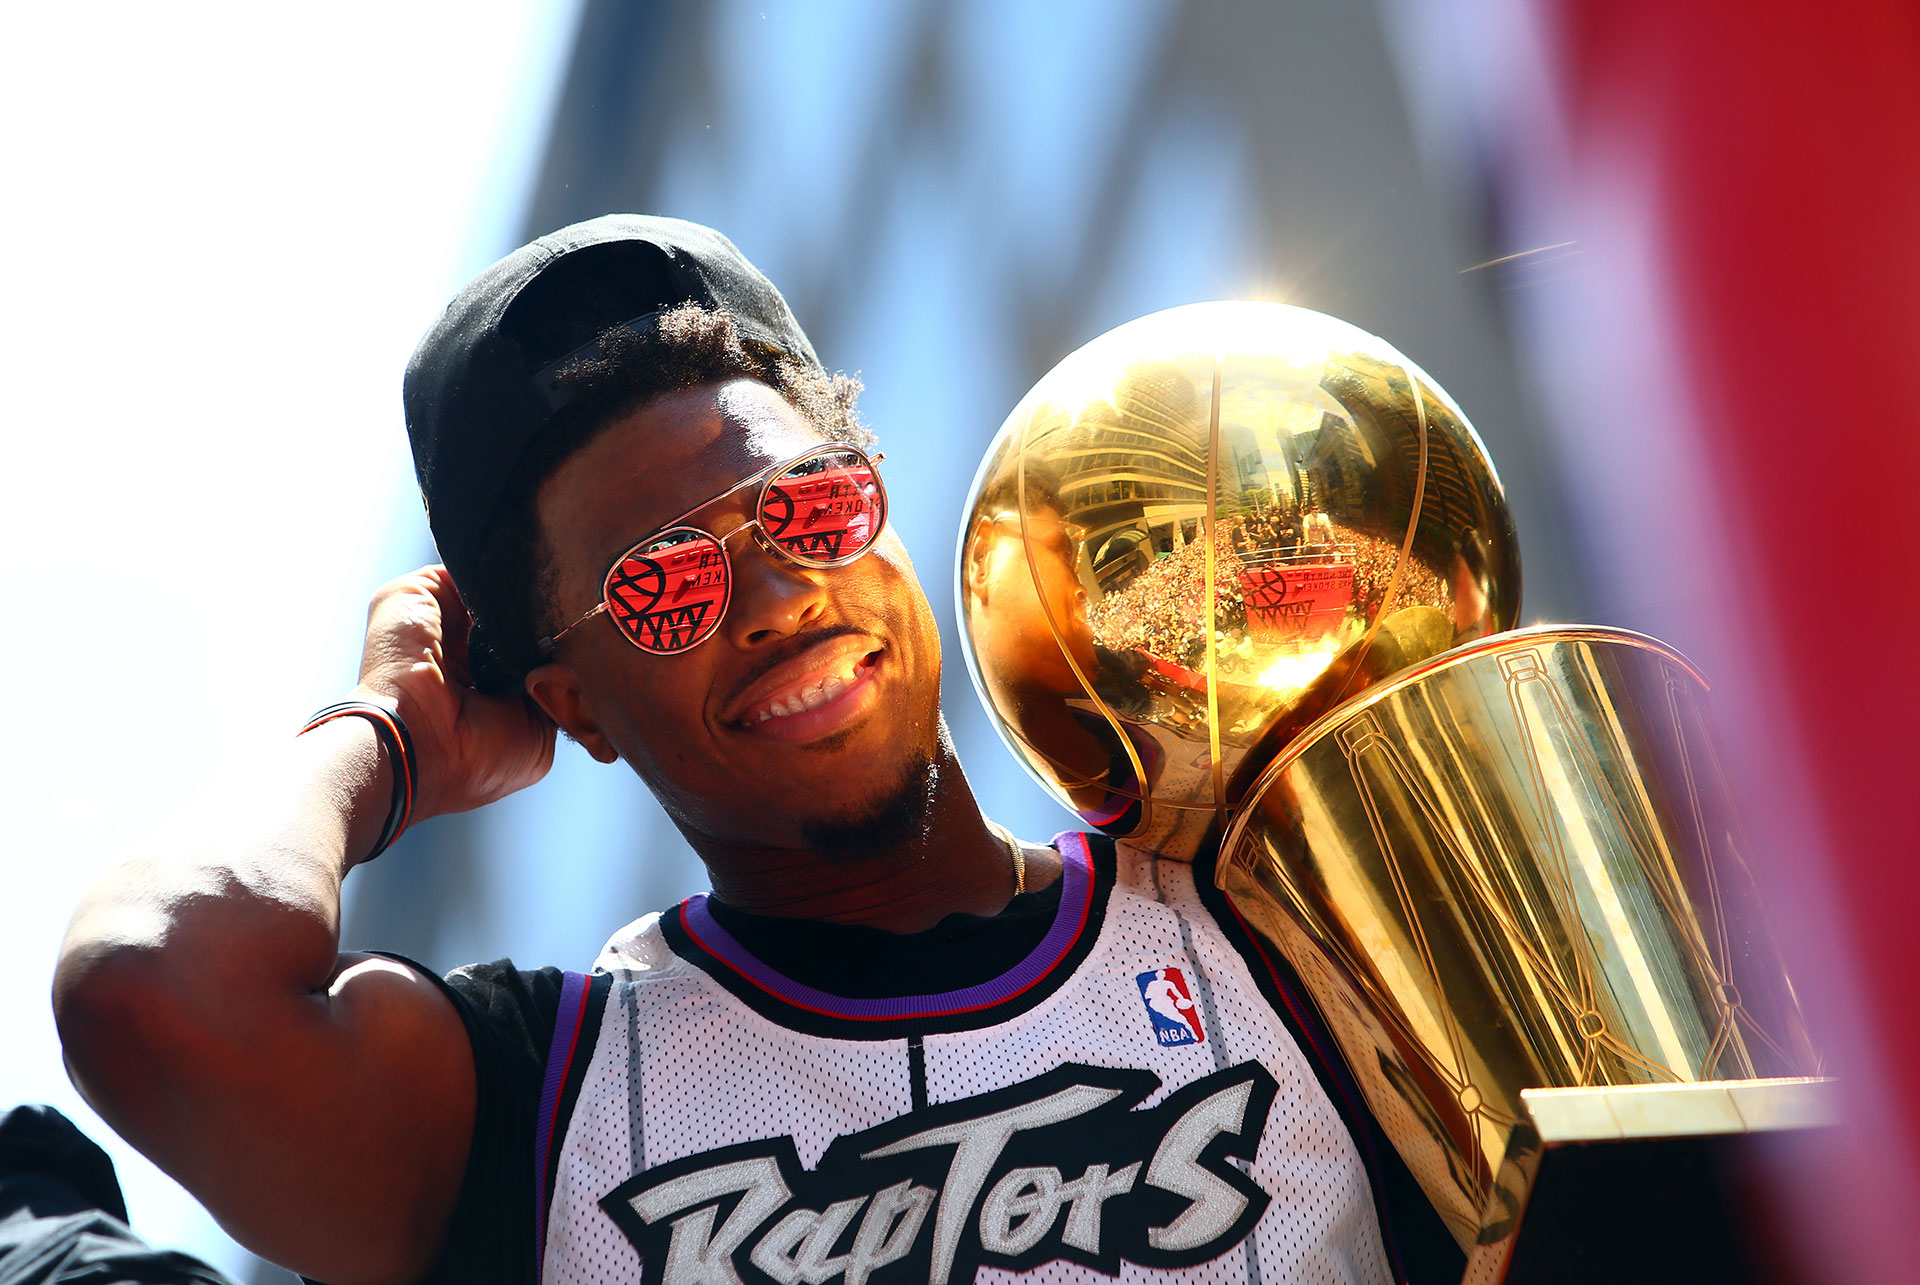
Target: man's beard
[[885, 829]]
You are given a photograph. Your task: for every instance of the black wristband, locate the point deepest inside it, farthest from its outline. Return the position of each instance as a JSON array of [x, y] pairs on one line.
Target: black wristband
[[393, 734]]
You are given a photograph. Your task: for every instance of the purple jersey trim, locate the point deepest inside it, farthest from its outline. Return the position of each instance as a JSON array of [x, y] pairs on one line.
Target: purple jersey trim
[[1076, 903], [566, 1039]]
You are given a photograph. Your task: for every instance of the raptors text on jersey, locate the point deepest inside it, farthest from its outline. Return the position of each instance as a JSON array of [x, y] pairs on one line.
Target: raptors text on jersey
[[1057, 1167]]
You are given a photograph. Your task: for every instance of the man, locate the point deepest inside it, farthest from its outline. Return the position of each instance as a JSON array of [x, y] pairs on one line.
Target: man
[[894, 1044]]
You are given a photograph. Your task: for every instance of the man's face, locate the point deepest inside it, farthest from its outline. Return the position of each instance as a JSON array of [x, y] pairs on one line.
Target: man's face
[[1025, 631], [851, 653]]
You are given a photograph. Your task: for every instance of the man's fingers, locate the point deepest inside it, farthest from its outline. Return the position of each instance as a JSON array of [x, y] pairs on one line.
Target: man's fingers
[[455, 622], [473, 748], [453, 609]]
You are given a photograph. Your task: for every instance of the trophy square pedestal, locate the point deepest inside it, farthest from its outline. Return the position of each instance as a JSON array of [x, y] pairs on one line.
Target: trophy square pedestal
[[1646, 1183]]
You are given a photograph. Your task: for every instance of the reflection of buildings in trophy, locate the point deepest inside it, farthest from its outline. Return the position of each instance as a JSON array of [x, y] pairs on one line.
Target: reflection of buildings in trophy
[[1243, 484], [1328, 470], [1132, 469], [1449, 488]]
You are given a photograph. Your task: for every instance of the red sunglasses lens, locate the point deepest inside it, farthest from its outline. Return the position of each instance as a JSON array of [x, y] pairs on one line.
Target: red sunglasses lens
[[670, 593], [825, 510]]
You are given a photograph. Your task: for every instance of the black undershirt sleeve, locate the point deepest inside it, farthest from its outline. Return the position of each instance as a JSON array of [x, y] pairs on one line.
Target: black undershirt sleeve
[[63, 1220], [509, 1014]]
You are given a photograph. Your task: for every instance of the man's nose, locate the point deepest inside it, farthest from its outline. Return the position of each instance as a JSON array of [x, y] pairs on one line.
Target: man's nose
[[773, 597]]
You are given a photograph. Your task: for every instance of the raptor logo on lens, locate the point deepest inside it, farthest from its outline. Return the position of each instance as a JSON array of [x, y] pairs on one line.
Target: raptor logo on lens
[[666, 600], [825, 516]]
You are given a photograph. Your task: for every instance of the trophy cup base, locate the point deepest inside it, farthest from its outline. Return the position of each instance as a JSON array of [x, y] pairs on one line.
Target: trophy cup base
[[1644, 1183]]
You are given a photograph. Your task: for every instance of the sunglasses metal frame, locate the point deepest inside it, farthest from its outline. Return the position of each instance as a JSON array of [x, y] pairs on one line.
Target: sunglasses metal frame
[[766, 478]]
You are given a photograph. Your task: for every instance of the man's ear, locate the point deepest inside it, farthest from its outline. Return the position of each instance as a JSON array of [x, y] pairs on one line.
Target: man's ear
[[555, 688]]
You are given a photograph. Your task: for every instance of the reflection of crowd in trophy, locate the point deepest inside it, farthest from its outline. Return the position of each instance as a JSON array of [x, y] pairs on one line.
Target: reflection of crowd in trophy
[[1160, 611], [1373, 562]]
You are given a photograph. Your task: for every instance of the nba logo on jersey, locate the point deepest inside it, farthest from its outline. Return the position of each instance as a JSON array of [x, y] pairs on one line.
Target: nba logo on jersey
[[1170, 1007]]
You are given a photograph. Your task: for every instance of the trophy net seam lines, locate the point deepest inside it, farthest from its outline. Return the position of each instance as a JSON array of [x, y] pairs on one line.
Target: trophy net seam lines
[[1406, 543], [1460, 1077], [1211, 555]]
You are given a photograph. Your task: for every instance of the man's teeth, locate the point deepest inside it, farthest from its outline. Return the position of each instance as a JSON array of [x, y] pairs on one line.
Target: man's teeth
[[810, 697]]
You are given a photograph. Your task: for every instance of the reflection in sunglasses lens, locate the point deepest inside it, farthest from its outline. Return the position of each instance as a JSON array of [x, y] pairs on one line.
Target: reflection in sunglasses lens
[[671, 592], [825, 509]]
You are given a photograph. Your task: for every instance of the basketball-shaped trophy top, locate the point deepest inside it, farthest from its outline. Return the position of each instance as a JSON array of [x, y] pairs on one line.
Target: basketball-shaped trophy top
[[1203, 530]]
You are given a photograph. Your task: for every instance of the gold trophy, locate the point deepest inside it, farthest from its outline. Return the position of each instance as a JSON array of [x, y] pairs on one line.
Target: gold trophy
[[1242, 574]]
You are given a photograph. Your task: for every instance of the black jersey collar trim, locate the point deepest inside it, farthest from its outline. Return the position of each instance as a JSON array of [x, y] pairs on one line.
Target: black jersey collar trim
[[1087, 873]]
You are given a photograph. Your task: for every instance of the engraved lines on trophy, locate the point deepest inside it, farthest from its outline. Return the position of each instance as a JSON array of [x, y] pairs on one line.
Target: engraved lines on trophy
[[1539, 711], [1566, 984], [1726, 995], [1427, 1141], [1524, 674], [1712, 961], [1442, 1161], [1560, 782], [1738, 1023], [1361, 741]]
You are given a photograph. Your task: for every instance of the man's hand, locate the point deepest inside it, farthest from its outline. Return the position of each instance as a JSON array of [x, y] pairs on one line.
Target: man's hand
[[473, 748]]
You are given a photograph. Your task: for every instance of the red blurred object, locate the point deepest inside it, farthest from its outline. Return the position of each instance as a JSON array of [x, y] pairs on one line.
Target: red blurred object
[[1782, 142]]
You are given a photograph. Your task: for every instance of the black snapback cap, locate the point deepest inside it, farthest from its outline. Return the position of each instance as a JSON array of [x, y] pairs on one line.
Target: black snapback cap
[[483, 385]]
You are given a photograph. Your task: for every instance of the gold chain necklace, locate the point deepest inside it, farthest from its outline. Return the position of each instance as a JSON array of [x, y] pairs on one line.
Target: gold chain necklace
[[1018, 854]]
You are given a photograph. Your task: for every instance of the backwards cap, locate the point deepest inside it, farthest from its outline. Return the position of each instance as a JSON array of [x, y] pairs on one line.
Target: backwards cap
[[483, 384]]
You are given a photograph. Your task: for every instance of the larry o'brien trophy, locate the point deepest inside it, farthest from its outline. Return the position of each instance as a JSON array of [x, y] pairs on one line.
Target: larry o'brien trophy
[[1241, 574]]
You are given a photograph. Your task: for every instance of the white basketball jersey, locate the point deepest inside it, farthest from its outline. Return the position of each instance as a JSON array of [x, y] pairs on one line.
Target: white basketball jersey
[[1124, 1103]]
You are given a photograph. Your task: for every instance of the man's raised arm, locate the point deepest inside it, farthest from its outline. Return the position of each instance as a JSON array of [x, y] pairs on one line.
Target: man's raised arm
[[320, 1105]]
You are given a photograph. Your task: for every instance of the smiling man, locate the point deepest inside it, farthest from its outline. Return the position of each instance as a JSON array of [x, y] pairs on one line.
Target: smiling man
[[894, 1044]]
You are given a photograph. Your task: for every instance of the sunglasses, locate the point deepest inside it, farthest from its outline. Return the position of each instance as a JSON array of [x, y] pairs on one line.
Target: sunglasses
[[670, 591]]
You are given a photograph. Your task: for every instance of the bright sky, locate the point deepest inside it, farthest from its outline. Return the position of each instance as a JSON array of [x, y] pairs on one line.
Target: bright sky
[[228, 226]]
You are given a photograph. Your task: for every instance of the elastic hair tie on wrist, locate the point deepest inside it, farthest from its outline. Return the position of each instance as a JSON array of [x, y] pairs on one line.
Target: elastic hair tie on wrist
[[393, 734]]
